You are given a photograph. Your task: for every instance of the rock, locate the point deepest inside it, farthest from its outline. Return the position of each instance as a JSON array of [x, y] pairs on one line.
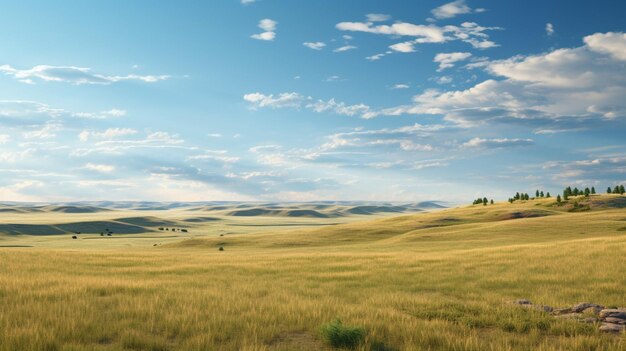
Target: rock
[[585, 305], [612, 328], [615, 320], [523, 302], [613, 312], [559, 311], [592, 310]]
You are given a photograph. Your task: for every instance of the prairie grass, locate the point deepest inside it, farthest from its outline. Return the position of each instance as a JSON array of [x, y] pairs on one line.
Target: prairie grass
[[437, 281]]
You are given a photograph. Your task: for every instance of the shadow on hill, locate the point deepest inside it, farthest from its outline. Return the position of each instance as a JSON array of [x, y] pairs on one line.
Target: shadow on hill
[[73, 209], [146, 221], [201, 219], [68, 228], [370, 210]]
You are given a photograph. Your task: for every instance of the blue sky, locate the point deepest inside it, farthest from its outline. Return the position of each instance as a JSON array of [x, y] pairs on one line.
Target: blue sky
[[277, 100]]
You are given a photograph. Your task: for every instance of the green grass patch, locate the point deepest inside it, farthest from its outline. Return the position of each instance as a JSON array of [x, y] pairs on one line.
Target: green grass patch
[[339, 335]]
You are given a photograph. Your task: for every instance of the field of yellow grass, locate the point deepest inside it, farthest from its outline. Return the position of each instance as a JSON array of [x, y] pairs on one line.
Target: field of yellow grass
[[441, 280]]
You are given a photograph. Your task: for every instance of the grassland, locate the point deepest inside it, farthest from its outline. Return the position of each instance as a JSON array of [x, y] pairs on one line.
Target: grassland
[[441, 280]]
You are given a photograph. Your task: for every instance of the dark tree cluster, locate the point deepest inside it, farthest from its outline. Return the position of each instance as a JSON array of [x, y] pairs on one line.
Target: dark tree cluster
[[482, 201], [618, 189], [567, 192]]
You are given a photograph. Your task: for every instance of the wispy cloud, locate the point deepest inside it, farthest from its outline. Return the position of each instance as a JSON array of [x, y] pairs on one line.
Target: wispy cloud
[[453, 9], [73, 75]]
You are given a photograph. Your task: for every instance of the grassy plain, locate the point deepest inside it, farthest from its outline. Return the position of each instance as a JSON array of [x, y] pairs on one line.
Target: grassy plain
[[441, 280]]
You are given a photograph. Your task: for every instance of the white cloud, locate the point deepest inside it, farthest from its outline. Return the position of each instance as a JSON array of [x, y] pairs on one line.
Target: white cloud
[[561, 85], [4, 138], [549, 29], [401, 86], [99, 168], [318, 45], [296, 100], [48, 131], [345, 48], [214, 135], [447, 60], [496, 143], [73, 75], [246, 2], [269, 30], [405, 47], [108, 134], [375, 57], [444, 80], [610, 43], [453, 9], [377, 17], [468, 32], [282, 100]]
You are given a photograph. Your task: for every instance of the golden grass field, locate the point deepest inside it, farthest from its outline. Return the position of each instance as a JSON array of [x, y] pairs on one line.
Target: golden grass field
[[440, 280]]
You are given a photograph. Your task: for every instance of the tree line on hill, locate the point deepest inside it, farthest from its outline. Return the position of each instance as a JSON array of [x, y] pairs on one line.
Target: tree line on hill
[[619, 189], [567, 192], [483, 201]]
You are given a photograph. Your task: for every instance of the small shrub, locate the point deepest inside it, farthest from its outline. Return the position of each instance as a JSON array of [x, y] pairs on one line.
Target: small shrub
[[339, 335], [221, 248]]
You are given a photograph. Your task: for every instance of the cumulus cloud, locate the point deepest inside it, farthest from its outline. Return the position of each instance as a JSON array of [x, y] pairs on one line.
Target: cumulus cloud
[[610, 43], [269, 30], [453, 9], [447, 60], [318, 45], [407, 46], [468, 32], [557, 86], [73, 75]]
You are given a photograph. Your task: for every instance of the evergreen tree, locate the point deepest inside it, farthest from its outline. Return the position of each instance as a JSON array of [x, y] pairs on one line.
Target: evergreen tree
[[558, 199], [593, 190], [568, 192], [511, 200], [608, 190], [576, 192], [537, 193], [491, 201], [616, 189], [565, 195], [484, 201], [527, 197], [517, 196], [587, 192], [541, 194], [548, 194], [621, 190]]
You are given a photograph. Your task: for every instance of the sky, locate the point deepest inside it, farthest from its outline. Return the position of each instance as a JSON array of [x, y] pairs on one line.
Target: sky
[[281, 100]]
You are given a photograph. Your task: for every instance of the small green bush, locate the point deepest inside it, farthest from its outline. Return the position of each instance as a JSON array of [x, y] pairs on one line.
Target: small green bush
[[339, 335]]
